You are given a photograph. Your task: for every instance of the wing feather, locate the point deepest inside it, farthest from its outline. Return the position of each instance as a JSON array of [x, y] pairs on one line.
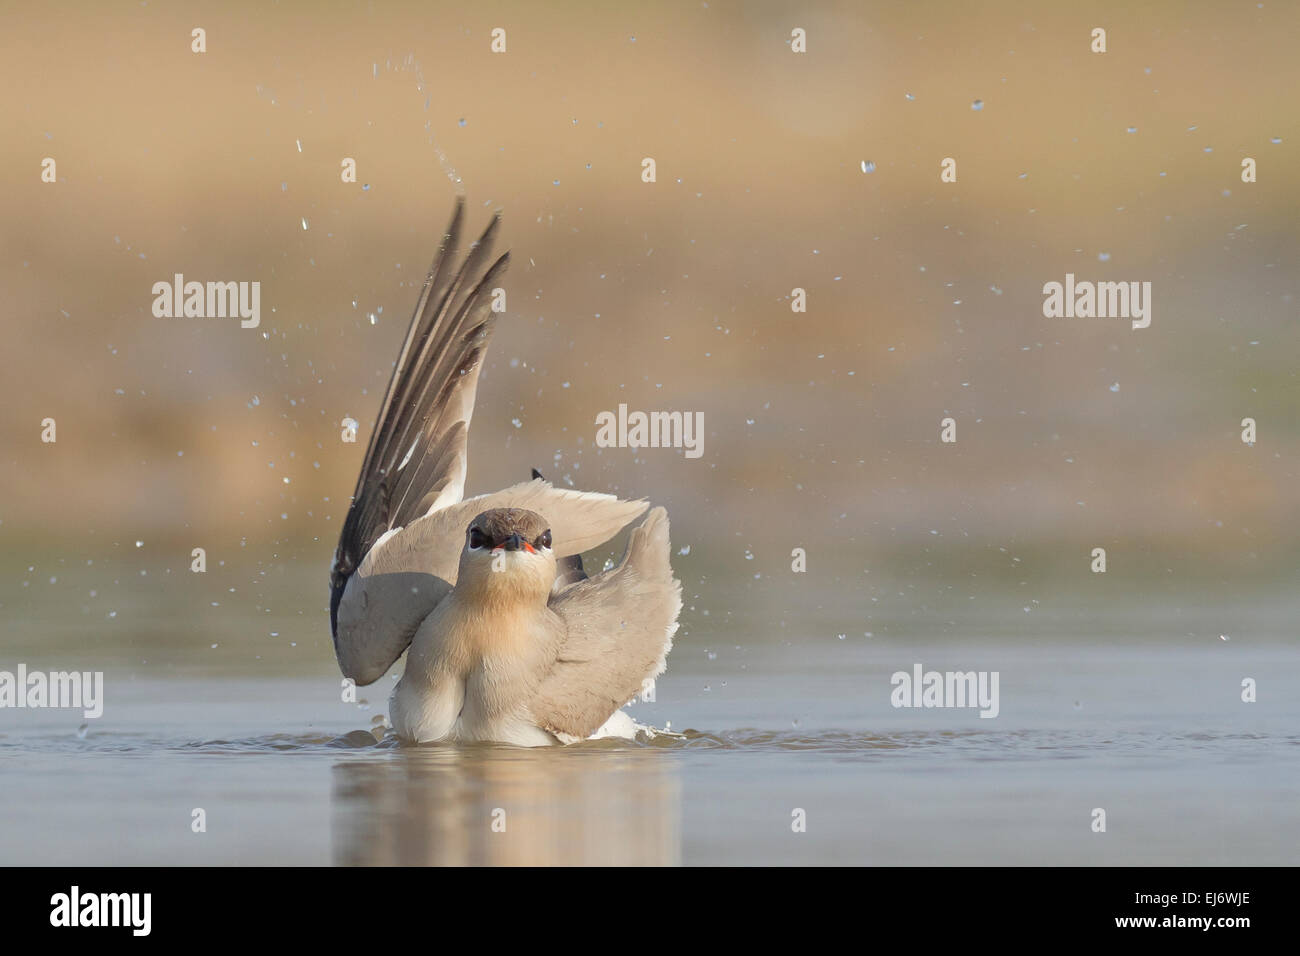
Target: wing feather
[[619, 627], [418, 447]]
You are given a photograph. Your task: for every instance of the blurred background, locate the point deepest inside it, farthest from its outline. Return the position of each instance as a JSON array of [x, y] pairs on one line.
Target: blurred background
[[775, 170]]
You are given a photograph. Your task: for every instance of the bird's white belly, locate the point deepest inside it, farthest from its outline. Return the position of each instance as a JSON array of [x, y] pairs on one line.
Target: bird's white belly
[[503, 731], [455, 710]]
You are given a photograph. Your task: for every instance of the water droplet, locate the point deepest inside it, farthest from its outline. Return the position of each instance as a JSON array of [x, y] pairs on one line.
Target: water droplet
[[1275, 140], [1132, 129], [304, 222], [868, 166], [1115, 387], [1103, 257], [908, 96], [461, 121], [977, 105]]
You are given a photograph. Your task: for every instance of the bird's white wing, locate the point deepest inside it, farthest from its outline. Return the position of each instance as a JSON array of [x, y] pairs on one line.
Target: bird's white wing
[[618, 628]]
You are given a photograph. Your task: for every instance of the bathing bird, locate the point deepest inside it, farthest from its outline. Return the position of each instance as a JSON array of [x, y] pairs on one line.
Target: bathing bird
[[506, 637]]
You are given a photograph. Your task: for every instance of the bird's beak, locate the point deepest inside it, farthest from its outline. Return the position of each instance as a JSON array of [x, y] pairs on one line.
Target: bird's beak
[[514, 542]]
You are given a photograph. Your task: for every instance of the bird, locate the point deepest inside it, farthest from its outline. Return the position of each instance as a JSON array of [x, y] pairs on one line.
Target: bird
[[507, 639]]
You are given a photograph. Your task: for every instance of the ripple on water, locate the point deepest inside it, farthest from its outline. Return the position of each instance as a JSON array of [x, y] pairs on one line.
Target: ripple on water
[[970, 744]]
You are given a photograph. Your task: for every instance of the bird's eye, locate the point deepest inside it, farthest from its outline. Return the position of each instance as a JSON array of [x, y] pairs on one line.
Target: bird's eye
[[544, 539], [477, 538]]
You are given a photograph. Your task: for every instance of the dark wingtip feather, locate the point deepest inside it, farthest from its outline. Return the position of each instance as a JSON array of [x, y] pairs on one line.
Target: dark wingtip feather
[[336, 598], [404, 412]]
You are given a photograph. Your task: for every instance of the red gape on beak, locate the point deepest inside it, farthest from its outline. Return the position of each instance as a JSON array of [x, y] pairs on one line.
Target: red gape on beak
[[514, 542]]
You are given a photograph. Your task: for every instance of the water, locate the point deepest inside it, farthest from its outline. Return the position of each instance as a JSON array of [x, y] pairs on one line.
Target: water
[[286, 773]]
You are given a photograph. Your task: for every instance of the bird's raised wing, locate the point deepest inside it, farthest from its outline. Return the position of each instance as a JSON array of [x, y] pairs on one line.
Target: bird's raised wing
[[416, 458], [619, 627]]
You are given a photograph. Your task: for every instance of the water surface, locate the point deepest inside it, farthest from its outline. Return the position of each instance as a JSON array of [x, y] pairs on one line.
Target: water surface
[[287, 773]]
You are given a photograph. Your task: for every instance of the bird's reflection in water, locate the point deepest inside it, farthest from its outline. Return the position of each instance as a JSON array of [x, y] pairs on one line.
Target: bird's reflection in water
[[491, 805]]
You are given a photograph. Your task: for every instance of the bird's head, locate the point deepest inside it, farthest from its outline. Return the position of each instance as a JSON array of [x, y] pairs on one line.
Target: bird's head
[[508, 554]]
